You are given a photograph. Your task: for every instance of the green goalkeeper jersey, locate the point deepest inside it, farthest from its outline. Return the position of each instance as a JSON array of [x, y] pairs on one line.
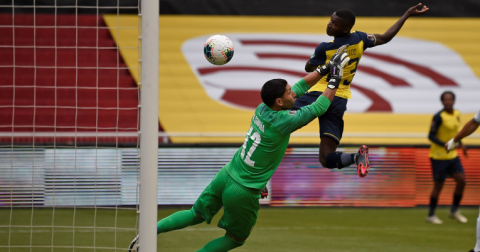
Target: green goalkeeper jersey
[[267, 139]]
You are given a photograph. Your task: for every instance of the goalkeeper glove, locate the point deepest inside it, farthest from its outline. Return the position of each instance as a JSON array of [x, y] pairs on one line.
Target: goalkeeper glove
[[325, 69], [336, 70], [264, 193]]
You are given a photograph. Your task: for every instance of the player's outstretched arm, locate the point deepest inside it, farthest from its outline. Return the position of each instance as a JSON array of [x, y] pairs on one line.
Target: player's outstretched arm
[[309, 67], [470, 127], [467, 130], [381, 39]]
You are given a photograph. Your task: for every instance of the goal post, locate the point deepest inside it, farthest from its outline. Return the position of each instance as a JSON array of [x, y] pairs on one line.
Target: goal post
[[149, 12], [78, 130]]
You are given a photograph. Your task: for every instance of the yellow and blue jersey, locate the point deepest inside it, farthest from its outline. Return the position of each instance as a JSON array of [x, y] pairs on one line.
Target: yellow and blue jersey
[[444, 127], [358, 43]]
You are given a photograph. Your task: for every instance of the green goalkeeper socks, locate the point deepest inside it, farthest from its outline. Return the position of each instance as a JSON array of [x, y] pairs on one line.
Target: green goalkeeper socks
[[178, 220], [221, 244]]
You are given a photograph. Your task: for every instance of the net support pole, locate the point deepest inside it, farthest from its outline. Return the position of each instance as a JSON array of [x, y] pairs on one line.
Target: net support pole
[[149, 124]]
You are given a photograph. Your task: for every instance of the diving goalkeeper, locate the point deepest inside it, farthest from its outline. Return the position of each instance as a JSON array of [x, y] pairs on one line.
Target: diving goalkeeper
[[237, 186]]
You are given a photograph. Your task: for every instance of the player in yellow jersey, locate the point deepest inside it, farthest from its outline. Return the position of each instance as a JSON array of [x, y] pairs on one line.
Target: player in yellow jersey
[[445, 126], [331, 123]]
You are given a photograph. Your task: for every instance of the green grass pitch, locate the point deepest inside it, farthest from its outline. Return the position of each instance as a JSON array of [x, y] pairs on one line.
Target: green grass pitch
[[329, 229]]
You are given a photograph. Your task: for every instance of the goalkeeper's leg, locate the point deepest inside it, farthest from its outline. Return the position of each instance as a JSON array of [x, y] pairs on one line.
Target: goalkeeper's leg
[[240, 215], [178, 220], [207, 205], [222, 244]]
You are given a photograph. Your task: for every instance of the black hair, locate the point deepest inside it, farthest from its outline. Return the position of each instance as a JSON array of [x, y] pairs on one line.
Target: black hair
[[447, 92], [272, 90], [347, 16]]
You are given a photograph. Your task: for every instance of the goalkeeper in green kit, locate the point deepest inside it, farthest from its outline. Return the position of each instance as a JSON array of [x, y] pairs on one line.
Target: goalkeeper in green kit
[[238, 185]]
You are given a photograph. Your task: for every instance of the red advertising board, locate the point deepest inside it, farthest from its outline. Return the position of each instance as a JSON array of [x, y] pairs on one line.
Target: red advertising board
[[399, 177]]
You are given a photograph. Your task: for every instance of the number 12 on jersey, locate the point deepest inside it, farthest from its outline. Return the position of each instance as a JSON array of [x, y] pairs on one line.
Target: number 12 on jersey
[[256, 138]]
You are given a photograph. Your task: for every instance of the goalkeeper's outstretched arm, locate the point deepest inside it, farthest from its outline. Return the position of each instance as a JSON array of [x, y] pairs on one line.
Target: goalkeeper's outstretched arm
[[319, 106], [338, 61], [306, 83]]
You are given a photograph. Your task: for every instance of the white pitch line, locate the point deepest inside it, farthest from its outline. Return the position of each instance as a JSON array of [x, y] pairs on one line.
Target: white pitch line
[[214, 229], [193, 229], [27, 231]]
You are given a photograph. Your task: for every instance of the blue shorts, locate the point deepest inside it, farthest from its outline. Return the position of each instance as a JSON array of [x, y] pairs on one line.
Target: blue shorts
[[331, 123], [441, 169]]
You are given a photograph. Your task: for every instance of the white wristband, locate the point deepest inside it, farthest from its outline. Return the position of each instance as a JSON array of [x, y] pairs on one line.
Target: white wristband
[[451, 145]]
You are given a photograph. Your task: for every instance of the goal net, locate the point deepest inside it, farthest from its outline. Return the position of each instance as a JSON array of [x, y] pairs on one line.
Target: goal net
[[69, 123]]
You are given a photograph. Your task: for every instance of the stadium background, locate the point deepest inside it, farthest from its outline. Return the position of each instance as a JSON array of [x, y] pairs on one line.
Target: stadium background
[[199, 134]]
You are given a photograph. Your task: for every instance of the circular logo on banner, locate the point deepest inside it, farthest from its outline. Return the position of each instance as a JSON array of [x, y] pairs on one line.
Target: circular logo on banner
[[404, 76]]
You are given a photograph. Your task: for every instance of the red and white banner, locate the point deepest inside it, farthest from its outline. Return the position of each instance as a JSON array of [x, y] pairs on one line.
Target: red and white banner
[[404, 76]]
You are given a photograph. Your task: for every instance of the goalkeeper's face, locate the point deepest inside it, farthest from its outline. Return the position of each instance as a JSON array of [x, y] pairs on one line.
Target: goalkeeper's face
[[288, 99]]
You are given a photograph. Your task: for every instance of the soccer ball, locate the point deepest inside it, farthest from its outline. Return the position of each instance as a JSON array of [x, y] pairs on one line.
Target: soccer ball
[[218, 50]]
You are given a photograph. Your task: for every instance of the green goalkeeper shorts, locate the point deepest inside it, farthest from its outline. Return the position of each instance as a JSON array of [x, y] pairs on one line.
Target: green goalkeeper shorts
[[240, 205]]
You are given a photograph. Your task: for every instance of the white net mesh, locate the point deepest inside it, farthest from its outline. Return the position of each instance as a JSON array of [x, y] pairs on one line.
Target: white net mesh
[[68, 128]]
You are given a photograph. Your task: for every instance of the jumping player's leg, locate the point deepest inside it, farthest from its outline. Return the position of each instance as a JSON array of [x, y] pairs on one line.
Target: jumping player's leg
[[330, 158], [327, 156], [331, 128], [331, 131]]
